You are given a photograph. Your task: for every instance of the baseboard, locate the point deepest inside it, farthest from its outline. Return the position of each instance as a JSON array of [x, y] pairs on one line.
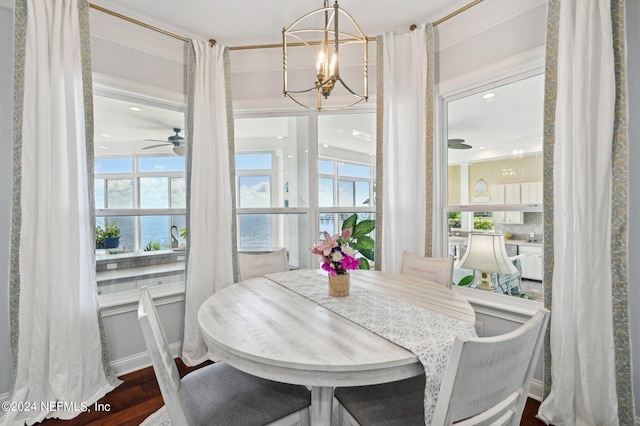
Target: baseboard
[[536, 390], [140, 360], [129, 364]]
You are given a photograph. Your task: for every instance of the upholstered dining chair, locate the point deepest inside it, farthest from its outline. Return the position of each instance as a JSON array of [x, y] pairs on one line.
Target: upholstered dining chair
[[486, 381], [217, 394], [254, 265], [436, 269]]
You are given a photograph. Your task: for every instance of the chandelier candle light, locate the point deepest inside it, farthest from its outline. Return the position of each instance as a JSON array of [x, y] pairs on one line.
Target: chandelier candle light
[[326, 52]]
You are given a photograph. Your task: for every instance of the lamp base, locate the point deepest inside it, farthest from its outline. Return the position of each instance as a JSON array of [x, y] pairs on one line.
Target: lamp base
[[485, 282]]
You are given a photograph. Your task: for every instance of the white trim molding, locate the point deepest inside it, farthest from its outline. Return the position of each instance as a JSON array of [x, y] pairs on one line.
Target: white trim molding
[[127, 301], [119, 88], [140, 360]]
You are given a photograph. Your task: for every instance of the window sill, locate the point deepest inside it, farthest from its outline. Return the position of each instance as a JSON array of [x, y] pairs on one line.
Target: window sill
[[498, 305], [127, 301]]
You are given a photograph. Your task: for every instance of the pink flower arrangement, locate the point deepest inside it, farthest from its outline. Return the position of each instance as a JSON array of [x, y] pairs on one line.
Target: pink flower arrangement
[[338, 255]]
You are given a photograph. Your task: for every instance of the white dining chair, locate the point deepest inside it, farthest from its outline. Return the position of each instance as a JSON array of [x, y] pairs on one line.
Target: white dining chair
[[436, 269], [486, 382], [254, 265], [217, 394]]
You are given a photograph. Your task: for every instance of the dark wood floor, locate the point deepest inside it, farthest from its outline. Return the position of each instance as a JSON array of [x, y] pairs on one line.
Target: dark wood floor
[[139, 397]]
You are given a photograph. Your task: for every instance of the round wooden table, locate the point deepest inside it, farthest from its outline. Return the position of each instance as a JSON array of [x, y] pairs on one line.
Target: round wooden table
[[267, 330]]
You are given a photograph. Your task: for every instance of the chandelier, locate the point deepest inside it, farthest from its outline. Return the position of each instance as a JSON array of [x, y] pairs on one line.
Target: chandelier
[[327, 38]]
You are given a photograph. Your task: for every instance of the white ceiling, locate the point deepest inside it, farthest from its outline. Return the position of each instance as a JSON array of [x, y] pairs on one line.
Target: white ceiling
[[511, 122], [505, 125], [250, 22]]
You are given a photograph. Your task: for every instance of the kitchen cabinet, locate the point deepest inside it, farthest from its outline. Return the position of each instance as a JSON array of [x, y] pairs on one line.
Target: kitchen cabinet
[[532, 267], [531, 193], [507, 194]]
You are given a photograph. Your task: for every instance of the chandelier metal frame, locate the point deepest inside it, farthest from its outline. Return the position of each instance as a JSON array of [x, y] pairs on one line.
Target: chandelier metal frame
[[328, 65]]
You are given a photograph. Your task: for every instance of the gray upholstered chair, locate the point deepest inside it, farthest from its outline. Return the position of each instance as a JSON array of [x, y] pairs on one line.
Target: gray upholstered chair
[[436, 269], [217, 394], [254, 265], [486, 381]]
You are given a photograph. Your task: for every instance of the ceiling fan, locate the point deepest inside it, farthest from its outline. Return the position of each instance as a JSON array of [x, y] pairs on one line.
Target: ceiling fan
[[176, 140], [457, 144]]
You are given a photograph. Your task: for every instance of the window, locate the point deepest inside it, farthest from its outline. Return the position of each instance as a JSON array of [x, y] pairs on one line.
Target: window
[[139, 186], [293, 183], [494, 176]]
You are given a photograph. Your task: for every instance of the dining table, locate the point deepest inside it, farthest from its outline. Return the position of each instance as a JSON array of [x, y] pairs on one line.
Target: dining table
[[285, 327]]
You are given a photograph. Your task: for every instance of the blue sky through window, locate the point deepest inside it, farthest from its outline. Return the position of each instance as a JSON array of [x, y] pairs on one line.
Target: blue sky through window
[[114, 165], [253, 162]]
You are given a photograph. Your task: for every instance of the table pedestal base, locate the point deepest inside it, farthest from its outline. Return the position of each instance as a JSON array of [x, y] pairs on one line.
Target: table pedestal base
[[320, 410]]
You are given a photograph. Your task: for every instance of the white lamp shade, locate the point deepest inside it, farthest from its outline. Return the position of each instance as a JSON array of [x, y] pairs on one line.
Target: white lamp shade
[[487, 253]]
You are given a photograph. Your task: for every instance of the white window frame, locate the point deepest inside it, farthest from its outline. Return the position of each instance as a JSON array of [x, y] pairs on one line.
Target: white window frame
[[124, 90], [313, 210], [527, 64], [136, 211]]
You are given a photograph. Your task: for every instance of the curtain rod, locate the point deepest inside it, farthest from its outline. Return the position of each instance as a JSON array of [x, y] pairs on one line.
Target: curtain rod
[[260, 46]]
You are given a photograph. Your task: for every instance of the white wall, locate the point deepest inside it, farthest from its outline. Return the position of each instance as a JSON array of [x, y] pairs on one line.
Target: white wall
[[132, 62], [6, 149], [163, 67], [460, 53]]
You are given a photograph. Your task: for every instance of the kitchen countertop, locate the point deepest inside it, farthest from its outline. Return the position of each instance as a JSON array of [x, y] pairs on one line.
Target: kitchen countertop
[[536, 243]]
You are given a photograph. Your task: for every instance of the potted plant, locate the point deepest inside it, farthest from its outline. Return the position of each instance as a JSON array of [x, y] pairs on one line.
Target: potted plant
[[99, 237], [339, 253], [109, 236]]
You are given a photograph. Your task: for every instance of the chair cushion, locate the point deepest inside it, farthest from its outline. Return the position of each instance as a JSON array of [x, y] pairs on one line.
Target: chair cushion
[[403, 402], [219, 394]]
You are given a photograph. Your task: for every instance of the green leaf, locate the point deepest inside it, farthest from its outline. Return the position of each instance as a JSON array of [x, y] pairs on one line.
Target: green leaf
[[363, 228], [366, 253], [466, 280], [350, 222], [365, 242], [364, 264]]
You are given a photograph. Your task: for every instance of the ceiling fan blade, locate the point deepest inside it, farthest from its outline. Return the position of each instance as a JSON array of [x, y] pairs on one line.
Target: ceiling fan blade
[[157, 140], [155, 146]]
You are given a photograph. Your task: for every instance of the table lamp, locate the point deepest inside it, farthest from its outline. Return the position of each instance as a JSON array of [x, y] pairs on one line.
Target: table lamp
[[486, 253]]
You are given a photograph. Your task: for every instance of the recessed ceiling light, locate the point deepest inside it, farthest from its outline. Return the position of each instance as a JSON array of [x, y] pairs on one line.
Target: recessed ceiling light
[[488, 96], [105, 135], [135, 108], [279, 137], [104, 147], [289, 156], [325, 145], [482, 147]]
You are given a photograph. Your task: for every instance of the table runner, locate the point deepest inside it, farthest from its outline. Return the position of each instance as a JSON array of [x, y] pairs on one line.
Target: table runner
[[426, 334]]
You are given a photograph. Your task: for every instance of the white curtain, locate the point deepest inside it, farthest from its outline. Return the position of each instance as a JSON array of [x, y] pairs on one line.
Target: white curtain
[[59, 351], [210, 262], [583, 390], [404, 146]]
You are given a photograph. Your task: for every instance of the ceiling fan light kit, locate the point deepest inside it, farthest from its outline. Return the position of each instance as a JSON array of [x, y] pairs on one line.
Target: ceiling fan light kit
[[176, 140], [326, 51], [457, 144]]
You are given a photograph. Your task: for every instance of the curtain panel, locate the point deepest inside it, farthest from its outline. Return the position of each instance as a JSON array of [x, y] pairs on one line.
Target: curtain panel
[[58, 350], [210, 222], [588, 352], [405, 147]]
